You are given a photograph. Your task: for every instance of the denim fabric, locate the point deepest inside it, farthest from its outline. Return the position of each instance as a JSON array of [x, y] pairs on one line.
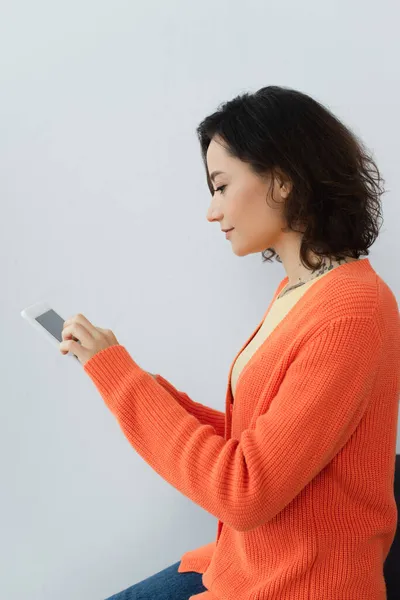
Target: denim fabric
[[165, 585]]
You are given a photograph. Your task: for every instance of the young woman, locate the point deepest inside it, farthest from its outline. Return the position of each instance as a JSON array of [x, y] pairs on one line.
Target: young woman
[[299, 468]]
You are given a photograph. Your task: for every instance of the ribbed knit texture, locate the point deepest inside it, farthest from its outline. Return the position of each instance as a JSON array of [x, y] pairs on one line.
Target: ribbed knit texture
[[300, 473]]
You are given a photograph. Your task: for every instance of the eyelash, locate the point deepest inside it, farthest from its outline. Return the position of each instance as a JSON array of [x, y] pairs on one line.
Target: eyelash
[[220, 188]]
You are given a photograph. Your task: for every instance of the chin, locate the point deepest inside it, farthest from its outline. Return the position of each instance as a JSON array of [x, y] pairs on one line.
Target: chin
[[245, 250]]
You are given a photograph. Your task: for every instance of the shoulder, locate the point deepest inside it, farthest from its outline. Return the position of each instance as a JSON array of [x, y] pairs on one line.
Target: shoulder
[[356, 296]]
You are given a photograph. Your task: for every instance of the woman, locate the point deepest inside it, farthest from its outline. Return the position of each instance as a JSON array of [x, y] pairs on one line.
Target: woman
[[299, 468]]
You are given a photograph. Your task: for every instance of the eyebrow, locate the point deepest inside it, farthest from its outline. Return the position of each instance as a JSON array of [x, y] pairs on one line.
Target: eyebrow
[[215, 173]]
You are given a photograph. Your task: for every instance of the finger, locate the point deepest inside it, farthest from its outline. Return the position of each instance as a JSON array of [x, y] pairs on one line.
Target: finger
[[86, 323], [68, 336], [77, 333], [82, 320], [70, 346]]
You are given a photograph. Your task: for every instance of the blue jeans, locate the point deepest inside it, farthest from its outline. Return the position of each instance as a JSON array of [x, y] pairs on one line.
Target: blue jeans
[[165, 585]]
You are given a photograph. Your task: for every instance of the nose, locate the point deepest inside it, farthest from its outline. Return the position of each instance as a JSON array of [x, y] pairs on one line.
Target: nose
[[214, 213]]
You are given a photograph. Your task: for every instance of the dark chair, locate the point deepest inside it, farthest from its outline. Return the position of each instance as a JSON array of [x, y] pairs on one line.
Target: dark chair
[[391, 567]]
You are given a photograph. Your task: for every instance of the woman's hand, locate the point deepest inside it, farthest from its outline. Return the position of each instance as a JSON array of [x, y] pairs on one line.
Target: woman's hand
[[84, 339]]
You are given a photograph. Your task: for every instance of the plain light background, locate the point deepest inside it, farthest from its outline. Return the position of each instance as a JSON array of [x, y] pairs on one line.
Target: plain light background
[[103, 211]]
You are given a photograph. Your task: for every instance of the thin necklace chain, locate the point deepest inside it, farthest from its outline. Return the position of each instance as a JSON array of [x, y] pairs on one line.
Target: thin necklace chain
[[324, 268]]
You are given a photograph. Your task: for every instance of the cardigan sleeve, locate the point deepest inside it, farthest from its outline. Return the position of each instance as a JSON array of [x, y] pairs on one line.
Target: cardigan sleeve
[[205, 414], [245, 482]]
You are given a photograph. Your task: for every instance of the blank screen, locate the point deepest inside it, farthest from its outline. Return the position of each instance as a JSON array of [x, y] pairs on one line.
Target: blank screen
[[54, 324]]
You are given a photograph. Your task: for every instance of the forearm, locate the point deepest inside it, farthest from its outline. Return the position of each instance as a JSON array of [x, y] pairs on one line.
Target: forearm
[[205, 414]]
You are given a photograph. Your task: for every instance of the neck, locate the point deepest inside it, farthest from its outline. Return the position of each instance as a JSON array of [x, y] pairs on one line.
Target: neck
[[295, 270], [289, 253]]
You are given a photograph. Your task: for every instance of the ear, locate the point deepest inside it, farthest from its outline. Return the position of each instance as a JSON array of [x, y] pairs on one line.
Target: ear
[[283, 183]]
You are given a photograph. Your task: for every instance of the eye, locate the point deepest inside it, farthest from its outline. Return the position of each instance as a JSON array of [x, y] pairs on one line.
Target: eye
[[220, 188]]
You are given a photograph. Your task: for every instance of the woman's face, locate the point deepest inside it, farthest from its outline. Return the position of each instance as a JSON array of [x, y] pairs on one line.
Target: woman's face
[[244, 202]]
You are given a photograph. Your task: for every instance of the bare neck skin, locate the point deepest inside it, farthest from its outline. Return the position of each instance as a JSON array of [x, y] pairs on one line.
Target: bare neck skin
[[288, 249]]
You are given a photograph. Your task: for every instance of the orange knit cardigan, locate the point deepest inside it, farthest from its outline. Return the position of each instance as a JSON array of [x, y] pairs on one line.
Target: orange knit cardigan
[[300, 472]]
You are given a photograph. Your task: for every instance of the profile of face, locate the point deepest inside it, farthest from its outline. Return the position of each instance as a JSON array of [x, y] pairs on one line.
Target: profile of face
[[244, 200]]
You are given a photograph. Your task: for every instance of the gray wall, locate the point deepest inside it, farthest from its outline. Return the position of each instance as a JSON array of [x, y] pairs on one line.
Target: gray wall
[[103, 211]]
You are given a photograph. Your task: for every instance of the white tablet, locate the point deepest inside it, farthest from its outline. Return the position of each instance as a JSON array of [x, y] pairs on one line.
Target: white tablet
[[45, 319]]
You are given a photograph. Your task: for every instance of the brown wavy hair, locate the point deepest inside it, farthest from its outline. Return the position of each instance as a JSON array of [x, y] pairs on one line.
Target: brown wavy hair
[[336, 185]]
